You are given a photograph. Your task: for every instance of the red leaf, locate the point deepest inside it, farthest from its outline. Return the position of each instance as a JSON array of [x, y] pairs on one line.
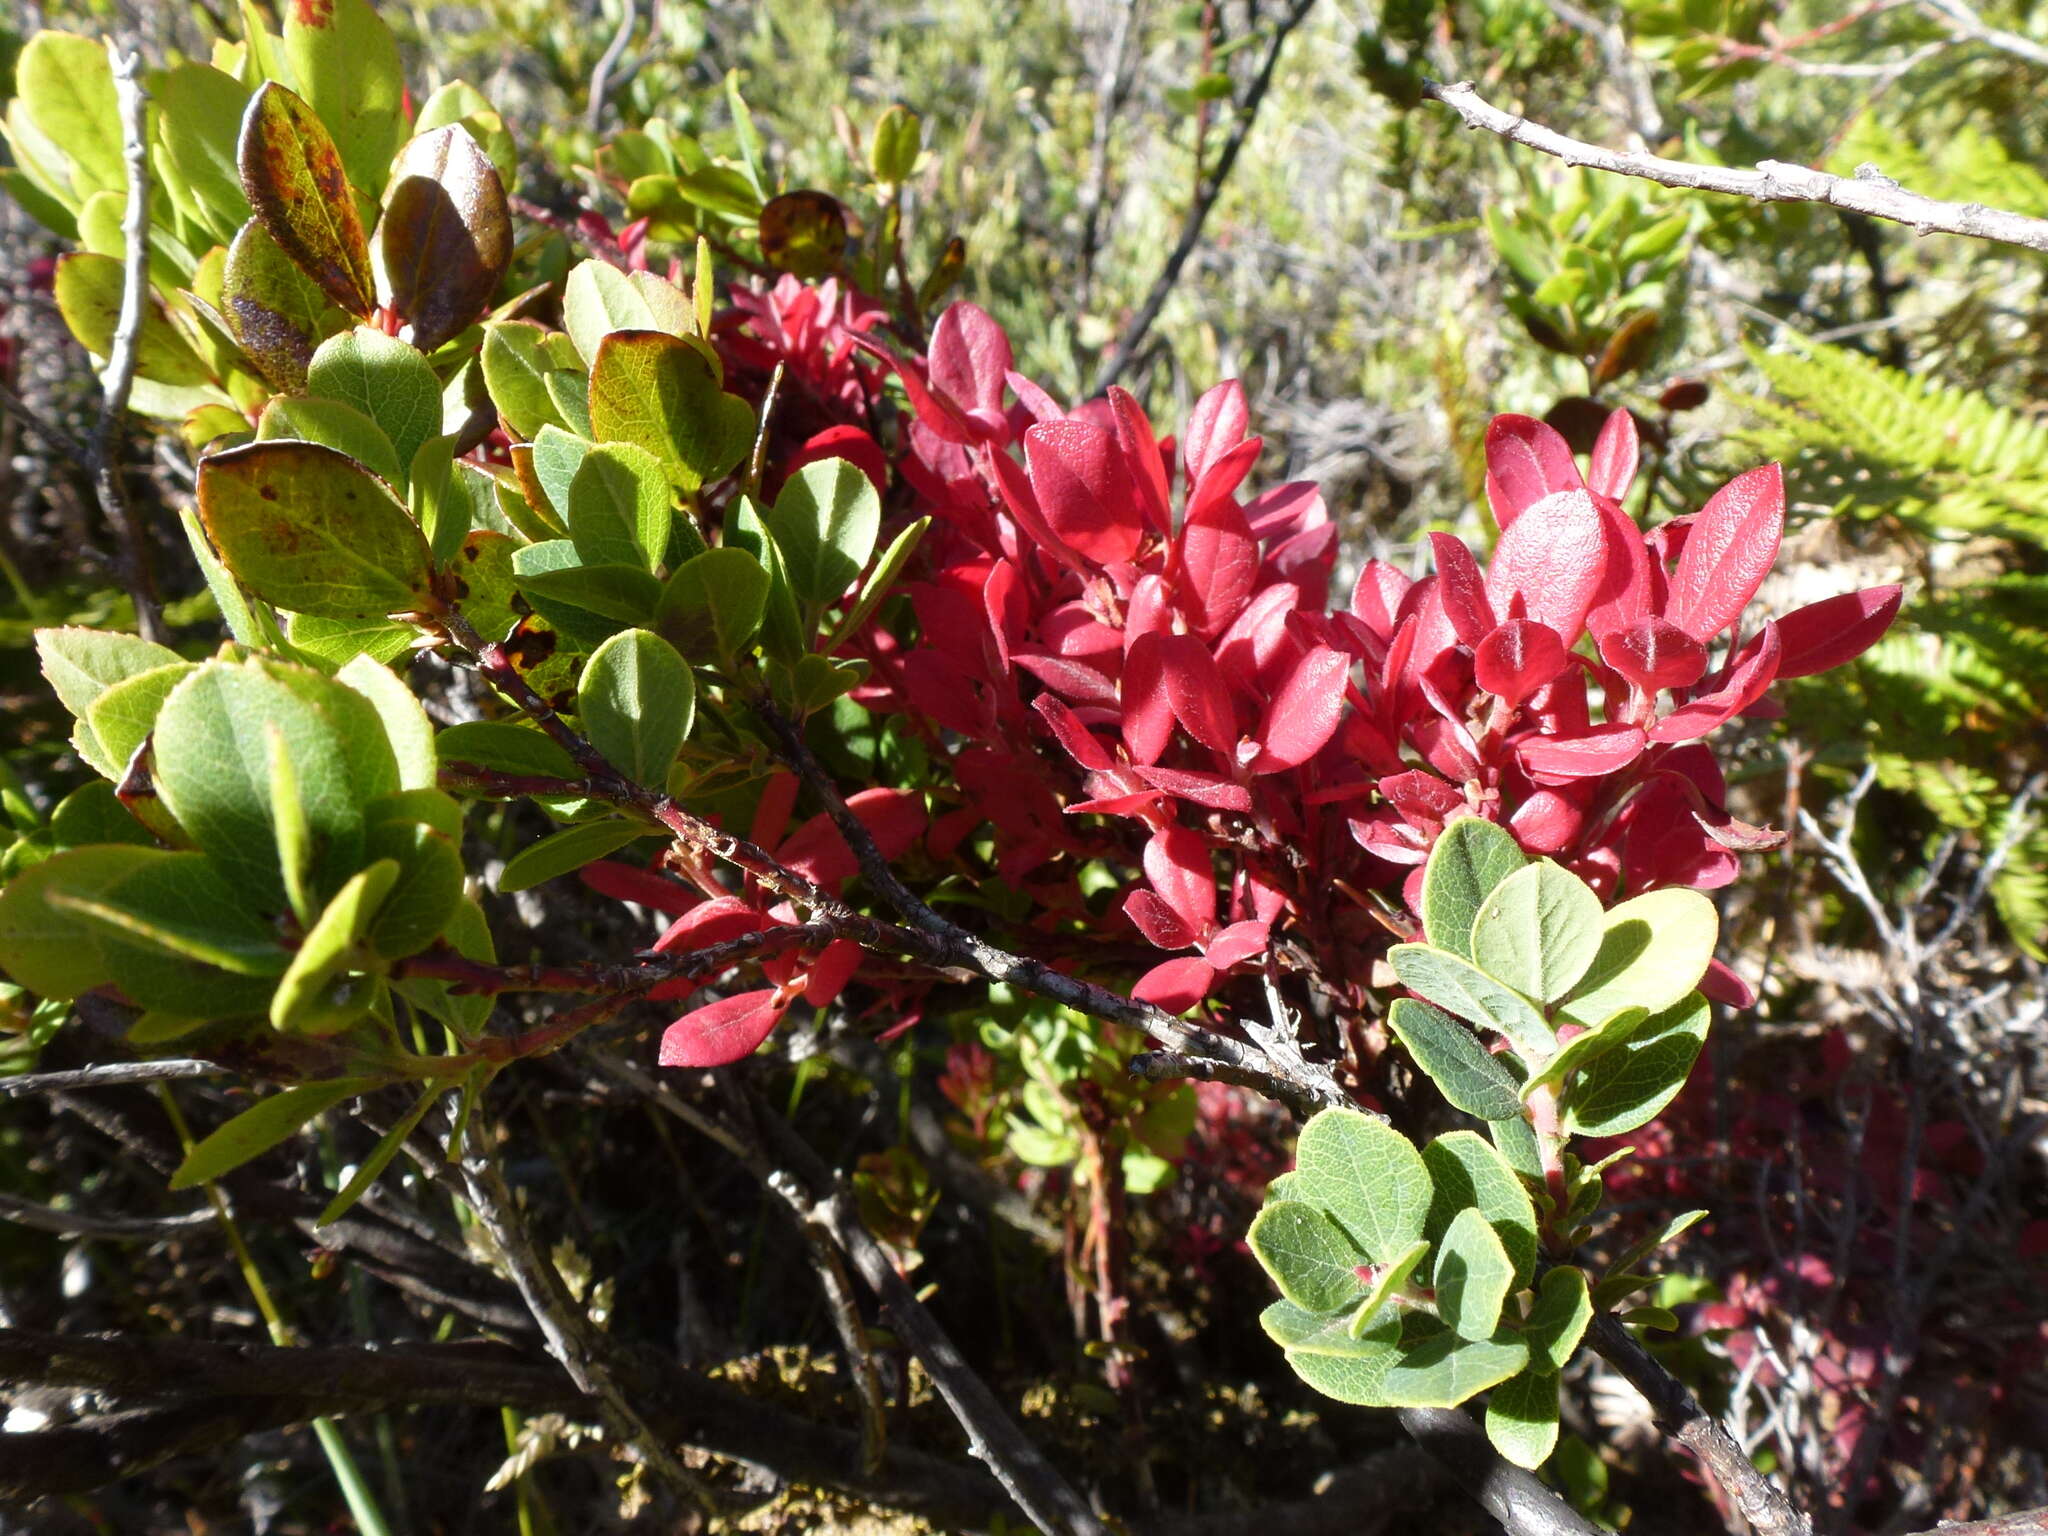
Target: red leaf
[[1743, 683], [1076, 680], [1462, 588], [1654, 653], [1547, 821], [1210, 789], [1215, 426], [1629, 589], [970, 358], [1141, 449], [1838, 629], [1177, 863], [1304, 711], [1238, 943], [721, 1032], [1084, 489], [1554, 558], [1603, 749], [1724, 986], [895, 818], [1727, 553], [1613, 465], [1220, 562], [1162, 926], [1423, 799], [1082, 744], [1286, 510], [1033, 400], [844, 442], [1223, 474], [771, 811], [1148, 712], [1022, 501], [715, 921], [1525, 461], [1197, 692], [936, 412], [1518, 658], [1257, 637], [1376, 597], [830, 972], [1176, 986], [626, 882]]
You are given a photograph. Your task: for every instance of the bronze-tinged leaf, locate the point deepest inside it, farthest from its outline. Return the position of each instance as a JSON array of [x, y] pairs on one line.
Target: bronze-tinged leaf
[[276, 313], [294, 179], [446, 236], [804, 233], [1629, 348]]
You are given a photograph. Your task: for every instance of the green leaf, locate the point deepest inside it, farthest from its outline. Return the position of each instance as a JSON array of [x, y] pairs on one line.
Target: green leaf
[[619, 507], [1558, 1320], [516, 364], [1307, 1254], [566, 850], [1673, 1229], [1630, 1086], [446, 234], [660, 393], [67, 86], [1516, 1143], [1301, 1332], [81, 665], [122, 718], [332, 642], [599, 299], [308, 1001], [1538, 931], [88, 293], [588, 603], [198, 122], [1393, 1279], [1367, 1177], [311, 530], [877, 586], [1521, 1418], [557, 455], [783, 635], [1473, 1276], [345, 61], [406, 726], [387, 381], [291, 827], [1466, 1173], [438, 500], [713, 604], [825, 522], [295, 182], [1653, 950], [277, 313], [638, 700], [1471, 994], [380, 1157], [428, 890], [504, 747], [332, 424], [569, 390], [1434, 1367], [469, 934], [51, 951], [258, 1129], [1471, 857], [1582, 1050], [213, 769], [93, 813], [1464, 1071]]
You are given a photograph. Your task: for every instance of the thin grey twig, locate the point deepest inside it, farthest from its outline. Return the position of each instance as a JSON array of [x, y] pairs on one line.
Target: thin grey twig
[[105, 1076], [47, 1218], [607, 63], [1206, 192], [117, 379], [1517, 1499], [1964, 23], [50, 433], [1112, 91], [1869, 191]]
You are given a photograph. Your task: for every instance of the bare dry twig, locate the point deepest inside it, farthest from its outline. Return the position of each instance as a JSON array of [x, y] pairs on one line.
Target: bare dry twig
[[1869, 191]]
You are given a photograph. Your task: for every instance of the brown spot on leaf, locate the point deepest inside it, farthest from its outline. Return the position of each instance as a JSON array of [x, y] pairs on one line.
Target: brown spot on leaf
[[267, 492]]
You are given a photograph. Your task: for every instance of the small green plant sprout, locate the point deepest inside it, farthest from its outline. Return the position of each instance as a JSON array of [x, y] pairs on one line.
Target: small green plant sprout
[[1419, 1278]]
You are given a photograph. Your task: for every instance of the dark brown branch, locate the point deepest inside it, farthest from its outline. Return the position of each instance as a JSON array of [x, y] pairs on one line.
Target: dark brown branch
[[1517, 1499], [1869, 191], [1679, 1414], [1206, 192]]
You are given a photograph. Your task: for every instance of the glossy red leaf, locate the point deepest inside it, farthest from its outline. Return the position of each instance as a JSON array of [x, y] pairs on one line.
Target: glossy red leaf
[[722, 1032], [1141, 449], [1084, 489], [830, 972], [1422, 798], [1149, 609], [1751, 674], [1177, 864], [1163, 927], [1177, 985], [1526, 460], [1286, 510], [1547, 821], [844, 442], [1837, 629], [1629, 590], [1082, 744], [970, 358], [1148, 712], [936, 411], [894, 818], [1304, 712], [1258, 636], [1074, 680], [446, 234], [1209, 789], [1237, 943], [1724, 986], [1601, 750], [1377, 595], [1034, 402], [1554, 557], [1462, 589], [1518, 658], [1219, 564], [1612, 468], [1197, 692], [1021, 498], [1654, 653], [1216, 425], [1728, 552], [1223, 474], [627, 882]]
